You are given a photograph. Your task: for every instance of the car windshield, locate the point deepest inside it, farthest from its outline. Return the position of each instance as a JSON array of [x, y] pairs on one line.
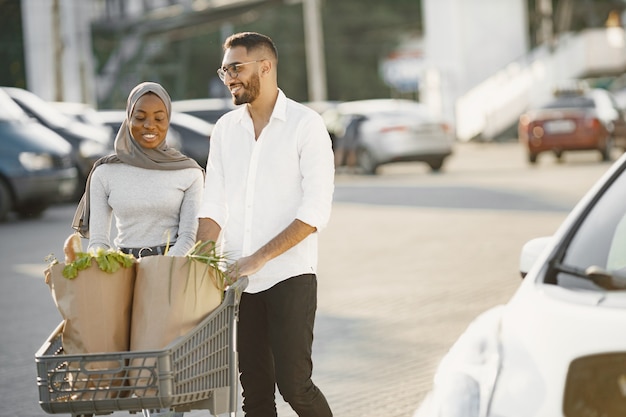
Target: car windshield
[[599, 243], [568, 102]]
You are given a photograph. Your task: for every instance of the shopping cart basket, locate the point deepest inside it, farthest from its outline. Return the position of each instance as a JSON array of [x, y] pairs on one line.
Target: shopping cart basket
[[196, 371]]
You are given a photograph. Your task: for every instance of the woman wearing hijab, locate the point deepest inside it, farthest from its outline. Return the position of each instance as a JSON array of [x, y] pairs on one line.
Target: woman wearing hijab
[[153, 191]]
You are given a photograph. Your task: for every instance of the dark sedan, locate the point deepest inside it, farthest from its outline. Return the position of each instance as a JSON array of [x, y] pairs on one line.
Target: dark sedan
[[36, 168], [575, 120], [89, 143]]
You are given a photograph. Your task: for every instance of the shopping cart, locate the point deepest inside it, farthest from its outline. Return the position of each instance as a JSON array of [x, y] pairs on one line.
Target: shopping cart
[[197, 371]]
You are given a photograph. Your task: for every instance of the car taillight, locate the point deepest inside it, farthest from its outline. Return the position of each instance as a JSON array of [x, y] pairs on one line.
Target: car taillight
[[592, 123]]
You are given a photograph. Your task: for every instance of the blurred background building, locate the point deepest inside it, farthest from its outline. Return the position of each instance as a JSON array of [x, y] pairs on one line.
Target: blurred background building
[[476, 63]]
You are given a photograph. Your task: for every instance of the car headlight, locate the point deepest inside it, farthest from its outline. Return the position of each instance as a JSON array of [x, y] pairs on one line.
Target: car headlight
[[92, 148], [466, 376], [32, 161]]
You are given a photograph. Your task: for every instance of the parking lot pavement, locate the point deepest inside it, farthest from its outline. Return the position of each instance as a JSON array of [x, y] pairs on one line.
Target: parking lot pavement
[[397, 286]]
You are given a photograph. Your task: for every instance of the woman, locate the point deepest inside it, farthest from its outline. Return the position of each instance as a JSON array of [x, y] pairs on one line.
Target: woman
[[153, 191]]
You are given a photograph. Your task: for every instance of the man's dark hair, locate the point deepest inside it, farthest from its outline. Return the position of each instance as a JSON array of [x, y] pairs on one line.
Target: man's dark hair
[[251, 41]]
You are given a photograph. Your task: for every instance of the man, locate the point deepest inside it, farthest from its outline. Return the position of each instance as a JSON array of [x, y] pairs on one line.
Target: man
[[268, 191]]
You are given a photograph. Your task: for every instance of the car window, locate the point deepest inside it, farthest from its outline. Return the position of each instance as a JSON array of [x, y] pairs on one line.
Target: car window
[[616, 259], [600, 239], [570, 102], [210, 116], [410, 113]]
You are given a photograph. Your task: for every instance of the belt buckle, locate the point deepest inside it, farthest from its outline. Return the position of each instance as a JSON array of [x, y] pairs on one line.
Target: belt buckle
[[140, 251]]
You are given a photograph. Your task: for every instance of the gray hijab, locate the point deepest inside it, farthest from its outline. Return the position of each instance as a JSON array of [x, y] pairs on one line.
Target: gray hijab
[[128, 151]]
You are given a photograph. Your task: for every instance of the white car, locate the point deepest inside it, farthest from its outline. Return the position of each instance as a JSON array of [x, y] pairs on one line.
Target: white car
[[384, 131], [558, 347]]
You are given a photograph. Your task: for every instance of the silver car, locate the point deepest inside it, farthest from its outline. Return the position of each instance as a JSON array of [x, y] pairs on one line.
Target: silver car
[[369, 133]]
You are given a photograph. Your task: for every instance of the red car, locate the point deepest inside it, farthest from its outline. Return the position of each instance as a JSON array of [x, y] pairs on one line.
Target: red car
[[576, 120]]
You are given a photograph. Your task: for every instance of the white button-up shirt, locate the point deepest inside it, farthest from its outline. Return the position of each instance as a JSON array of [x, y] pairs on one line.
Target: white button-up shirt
[[255, 188]]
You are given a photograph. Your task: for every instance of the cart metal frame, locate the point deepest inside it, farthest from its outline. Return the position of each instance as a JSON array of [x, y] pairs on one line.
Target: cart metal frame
[[197, 371]]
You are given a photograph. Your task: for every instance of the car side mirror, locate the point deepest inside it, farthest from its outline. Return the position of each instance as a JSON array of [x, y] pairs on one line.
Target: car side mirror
[[531, 252]]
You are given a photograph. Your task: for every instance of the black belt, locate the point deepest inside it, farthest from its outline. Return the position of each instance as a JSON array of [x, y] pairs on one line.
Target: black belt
[[146, 251]]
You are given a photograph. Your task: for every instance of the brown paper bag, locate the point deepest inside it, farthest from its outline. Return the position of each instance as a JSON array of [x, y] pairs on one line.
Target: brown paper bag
[[96, 311], [172, 295]]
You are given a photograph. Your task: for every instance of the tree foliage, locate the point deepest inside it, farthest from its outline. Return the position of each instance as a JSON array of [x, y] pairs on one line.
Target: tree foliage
[[12, 70], [358, 34]]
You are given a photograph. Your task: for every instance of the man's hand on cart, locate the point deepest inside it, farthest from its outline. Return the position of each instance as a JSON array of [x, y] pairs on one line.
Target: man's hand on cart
[[244, 266]]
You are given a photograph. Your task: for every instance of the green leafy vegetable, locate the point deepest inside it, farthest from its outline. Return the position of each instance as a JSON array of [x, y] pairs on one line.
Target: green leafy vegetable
[[206, 253], [108, 261]]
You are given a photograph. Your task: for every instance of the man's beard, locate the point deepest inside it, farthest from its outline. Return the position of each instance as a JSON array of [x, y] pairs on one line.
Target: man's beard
[[250, 93]]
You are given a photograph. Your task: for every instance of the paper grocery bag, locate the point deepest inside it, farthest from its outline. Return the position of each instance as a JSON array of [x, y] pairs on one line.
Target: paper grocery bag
[[172, 295], [96, 310]]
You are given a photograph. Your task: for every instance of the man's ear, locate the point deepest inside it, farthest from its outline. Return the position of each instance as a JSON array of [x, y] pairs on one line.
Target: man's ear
[[266, 67]]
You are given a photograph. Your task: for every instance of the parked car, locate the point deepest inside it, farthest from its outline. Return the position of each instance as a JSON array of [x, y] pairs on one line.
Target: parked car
[[577, 119], [83, 113], [390, 130], [207, 109], [89, 143], [188, 134], [557, 348], [36, 168]]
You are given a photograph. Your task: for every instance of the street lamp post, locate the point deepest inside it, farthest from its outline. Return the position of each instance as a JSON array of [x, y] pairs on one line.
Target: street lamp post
[[314, 41], [58, 50]]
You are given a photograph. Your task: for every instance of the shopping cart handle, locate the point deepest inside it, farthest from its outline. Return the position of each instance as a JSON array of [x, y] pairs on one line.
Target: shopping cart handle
[[234, 290], [240, 284]]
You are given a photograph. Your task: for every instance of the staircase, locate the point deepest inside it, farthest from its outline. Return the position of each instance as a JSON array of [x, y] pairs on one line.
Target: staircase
[[494, 105]]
